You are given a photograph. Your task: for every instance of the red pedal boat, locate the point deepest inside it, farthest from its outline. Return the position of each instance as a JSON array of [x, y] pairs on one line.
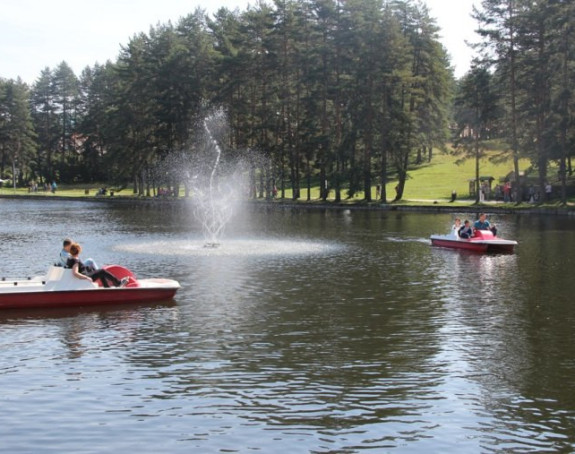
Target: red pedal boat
[[482, 241], [59, 288]]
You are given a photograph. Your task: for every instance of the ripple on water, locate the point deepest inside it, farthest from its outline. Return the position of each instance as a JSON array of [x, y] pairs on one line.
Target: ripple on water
[[235, 247]]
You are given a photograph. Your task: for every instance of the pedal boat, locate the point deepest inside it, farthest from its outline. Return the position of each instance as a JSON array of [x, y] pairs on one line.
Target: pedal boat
[[60, 288], [482, 241]]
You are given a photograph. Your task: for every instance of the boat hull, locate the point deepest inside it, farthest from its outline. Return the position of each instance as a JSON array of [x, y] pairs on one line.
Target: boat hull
[[27, 300], [60, 289], [455, 244], [483, 241]]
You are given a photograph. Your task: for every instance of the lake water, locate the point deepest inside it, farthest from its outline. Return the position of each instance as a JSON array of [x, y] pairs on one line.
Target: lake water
[[306, 332]]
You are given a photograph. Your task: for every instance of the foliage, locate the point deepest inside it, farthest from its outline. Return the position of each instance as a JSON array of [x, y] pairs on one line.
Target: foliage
[[529, 46], [319, 88], [477, 114], [340, 95]]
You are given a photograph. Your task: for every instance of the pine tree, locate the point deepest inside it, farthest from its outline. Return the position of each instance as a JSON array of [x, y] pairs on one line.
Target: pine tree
[[45, 118], [499, 27], [476, 112], [17, 137]]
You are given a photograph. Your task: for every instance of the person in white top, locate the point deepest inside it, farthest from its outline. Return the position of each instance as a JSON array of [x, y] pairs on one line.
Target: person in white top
[[456, 227]]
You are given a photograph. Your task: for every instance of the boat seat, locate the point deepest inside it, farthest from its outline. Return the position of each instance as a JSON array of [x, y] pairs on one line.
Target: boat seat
[[121, 272], [55, 273], [59, 278]]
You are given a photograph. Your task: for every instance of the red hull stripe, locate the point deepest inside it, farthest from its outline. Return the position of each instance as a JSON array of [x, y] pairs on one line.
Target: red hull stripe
[[460, 245], [473, 246], [84, 297]]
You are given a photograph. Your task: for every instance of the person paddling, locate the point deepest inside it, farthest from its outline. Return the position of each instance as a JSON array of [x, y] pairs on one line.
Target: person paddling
[[466, 231], [483, 224], [80, 271]]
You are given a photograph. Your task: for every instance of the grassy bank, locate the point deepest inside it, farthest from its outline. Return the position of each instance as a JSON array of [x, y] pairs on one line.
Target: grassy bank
[[429, 184]]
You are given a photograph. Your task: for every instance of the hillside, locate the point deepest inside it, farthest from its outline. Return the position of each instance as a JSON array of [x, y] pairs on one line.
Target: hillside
[[436, 180]]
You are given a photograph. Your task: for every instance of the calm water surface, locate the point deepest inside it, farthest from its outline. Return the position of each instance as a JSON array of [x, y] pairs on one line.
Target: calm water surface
[[307, 332]]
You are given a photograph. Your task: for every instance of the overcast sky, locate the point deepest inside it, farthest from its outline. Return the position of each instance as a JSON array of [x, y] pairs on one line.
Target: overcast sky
[[35, 34]]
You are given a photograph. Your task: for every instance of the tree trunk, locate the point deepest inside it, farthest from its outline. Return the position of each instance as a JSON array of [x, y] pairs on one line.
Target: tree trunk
[[477, 154], [383, 193], [513, 94]]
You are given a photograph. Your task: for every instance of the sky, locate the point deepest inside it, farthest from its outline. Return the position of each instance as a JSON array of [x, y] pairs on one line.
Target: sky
[[35, 34]]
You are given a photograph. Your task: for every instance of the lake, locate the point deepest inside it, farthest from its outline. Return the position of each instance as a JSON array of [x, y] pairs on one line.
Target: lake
[[307, 331]]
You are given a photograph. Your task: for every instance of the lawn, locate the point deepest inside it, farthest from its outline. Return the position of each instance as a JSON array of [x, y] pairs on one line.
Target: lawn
[[436, 180]]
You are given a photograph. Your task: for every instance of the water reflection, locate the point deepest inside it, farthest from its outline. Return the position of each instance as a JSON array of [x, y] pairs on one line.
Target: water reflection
[[366, 338], [492, 334]]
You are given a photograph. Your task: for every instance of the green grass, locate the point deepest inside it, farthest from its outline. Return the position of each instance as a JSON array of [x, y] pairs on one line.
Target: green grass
[[63, 191], [435, 181]]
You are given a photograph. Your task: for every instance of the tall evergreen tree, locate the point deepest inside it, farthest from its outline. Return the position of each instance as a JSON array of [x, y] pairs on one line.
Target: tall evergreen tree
[[17, 136], [476, 112], [561, 72], [66, 93], [45, 117], [324, 90], [424, 90], [499, 27], [134, 114]]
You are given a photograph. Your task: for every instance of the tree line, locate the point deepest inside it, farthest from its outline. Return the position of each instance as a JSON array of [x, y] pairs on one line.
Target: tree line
[[518, 92], [340, 95]]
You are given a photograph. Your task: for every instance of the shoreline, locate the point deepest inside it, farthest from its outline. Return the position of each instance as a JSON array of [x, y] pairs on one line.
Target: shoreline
[[434, 207]]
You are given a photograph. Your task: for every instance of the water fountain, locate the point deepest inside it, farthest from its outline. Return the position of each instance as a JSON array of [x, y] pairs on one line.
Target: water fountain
[[218, 187], [215, 186]]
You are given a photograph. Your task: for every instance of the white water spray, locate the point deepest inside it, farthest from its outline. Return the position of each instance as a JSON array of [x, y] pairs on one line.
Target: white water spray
[[215, 190]]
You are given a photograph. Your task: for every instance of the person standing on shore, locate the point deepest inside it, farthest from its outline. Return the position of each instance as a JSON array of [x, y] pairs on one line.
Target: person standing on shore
[[548, 191]]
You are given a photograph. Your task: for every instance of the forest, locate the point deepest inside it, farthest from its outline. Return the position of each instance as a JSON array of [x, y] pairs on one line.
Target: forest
[[339, 94]]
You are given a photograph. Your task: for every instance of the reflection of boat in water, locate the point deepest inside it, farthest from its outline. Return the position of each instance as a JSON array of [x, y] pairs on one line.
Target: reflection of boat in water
[[482, 241], [59, 288]]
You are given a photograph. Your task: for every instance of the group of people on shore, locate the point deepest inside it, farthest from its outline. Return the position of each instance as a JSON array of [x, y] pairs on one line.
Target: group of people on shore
[[87, 270], [47, 187], [467, 230]]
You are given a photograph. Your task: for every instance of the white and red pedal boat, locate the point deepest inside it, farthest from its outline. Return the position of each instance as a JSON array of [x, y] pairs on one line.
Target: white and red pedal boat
[[59, 288], [482, 241]]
